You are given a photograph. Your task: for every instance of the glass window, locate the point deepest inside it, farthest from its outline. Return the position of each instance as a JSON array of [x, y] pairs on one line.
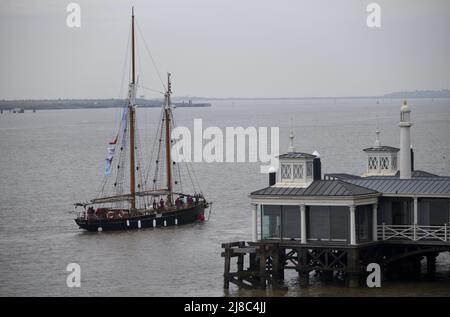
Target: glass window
[[328, 223], [339, 223], [373, 163], [271, 222], [298, 171], [285, 171], [291, 222], [318, 223], [439, 212], [309, 169], [394, 163], [384, 163], [363, 222], [401, 212]]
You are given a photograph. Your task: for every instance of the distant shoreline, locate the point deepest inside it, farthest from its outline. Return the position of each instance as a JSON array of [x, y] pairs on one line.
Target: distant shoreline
[[56, 104], [65, 104]]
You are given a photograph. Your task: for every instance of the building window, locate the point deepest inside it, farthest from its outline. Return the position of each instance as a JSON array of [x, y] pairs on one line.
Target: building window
[[285, 171], [290, 219], [328, 223], [298, 171], [373, 163], [384, 163], [363, 223], [394, 163], [271, 222], [309, 169]]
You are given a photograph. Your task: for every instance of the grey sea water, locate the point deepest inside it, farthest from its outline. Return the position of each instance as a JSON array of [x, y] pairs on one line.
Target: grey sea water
[[51, 159]]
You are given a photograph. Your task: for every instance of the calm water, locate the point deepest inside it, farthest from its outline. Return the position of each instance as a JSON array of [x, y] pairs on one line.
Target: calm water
[[51, 159]]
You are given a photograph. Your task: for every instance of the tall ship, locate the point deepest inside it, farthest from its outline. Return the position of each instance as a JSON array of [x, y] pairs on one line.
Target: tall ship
[[133, 196]]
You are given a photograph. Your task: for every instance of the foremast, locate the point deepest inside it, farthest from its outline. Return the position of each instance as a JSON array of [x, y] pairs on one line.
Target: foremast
[[167, 118], [131, 116]]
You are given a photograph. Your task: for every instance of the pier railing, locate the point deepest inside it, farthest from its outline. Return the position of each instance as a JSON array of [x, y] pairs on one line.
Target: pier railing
[[414, 232]]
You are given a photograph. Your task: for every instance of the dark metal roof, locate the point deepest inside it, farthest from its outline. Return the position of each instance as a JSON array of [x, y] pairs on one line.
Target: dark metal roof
[[424, 185], [383, 148], [418, 173], [342, 176], [296, 155], [318, 188]]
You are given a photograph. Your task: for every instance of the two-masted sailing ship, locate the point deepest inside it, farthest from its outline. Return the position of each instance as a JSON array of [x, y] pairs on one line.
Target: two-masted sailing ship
[[142, 198]]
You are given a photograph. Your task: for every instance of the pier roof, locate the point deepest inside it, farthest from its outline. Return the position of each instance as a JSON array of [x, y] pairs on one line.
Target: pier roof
[[296, 155], [413, 186], [318, 188], [383, 148]]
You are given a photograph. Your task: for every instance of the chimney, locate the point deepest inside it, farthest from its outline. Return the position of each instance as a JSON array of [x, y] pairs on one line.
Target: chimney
[[317, 167], [272, 176], [405, 141]]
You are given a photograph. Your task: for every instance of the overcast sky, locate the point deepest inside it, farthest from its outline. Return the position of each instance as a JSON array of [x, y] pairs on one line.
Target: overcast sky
[[225, 48]]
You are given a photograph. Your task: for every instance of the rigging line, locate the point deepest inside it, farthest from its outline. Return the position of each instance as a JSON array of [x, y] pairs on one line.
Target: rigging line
[[126, 62], [150, 54], [152, 161], [151, 89], [188, 165]]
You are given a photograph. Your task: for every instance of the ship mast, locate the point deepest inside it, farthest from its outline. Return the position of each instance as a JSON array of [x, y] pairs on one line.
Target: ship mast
[[131, 111], [167, 117]]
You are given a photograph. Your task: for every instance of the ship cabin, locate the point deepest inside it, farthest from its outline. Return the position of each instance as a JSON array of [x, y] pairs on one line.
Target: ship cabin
[[386, 203]]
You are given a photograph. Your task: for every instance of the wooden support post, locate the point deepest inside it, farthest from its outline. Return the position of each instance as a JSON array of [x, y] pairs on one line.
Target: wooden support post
[[327, 276], [274, 252], [262, 266], [303, 272], [240, 266], [416, 267], [431, 265], [304, 278], [353, 268], [226, 274]]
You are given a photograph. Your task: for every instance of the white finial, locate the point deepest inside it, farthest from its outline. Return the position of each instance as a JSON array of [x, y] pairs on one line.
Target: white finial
[[316, 154], [377, 140], [291, 142], [405, 107], [291, 139]]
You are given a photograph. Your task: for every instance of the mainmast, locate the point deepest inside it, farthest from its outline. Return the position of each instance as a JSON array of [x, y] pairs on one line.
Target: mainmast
[[167, 117], [131, 111]]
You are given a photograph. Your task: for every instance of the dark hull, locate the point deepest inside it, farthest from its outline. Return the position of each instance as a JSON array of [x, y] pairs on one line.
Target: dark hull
[[178, 217]]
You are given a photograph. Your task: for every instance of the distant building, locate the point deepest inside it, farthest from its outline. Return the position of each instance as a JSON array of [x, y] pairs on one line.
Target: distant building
[[17, 110]]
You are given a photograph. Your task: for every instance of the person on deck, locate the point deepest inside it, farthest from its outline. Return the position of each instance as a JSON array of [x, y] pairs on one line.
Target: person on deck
[[178, 202], [161, 203]]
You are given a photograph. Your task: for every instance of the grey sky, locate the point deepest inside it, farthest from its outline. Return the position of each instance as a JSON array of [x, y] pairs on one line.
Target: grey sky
[[225, 48]]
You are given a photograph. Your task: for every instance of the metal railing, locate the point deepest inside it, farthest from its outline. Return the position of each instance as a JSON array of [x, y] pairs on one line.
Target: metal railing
[[413, 232]]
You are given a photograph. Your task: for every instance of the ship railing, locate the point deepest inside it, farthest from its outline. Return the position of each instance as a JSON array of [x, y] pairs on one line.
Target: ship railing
[[81, 214], [414, 232]]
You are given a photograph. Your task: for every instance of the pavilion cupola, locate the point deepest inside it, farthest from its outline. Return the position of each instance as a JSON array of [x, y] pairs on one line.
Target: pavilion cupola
[[381, 159]]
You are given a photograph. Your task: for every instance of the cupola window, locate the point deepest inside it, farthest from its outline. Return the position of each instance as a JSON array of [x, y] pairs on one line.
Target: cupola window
[[298, 171], [285, 171], [309, 169], [384, 163], [394, 163], [373, 163]]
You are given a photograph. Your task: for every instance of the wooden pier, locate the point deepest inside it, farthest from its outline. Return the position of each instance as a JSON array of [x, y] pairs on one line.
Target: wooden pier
[[263, 263]]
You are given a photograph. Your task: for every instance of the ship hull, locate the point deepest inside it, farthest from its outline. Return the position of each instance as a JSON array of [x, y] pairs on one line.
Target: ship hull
[[174, 218]]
